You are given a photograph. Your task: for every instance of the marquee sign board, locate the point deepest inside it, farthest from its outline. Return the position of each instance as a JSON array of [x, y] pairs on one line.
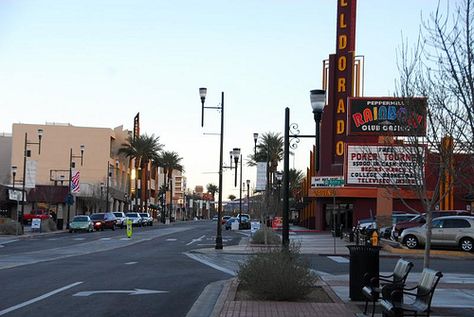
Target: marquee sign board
[[387, 116], [379, 165]]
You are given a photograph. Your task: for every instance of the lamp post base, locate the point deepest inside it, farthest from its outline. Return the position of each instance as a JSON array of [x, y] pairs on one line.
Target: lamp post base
[[219, 245]]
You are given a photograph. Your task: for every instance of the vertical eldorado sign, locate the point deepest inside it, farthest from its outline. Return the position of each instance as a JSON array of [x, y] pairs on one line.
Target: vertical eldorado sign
[[345, 47]]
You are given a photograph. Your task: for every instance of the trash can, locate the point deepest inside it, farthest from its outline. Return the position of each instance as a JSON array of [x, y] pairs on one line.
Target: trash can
[[363, 259]]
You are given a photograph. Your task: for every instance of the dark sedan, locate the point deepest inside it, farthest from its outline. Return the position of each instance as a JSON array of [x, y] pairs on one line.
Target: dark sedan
[[104, 220]]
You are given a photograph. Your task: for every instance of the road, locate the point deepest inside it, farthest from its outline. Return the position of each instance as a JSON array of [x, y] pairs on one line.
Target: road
[[105, 274]]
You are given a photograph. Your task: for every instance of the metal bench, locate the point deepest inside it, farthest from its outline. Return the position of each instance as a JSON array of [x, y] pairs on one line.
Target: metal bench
[[421, 304], [398, 278]]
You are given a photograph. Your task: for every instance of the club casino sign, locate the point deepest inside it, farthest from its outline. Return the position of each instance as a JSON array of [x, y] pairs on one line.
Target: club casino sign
[[392, 116]]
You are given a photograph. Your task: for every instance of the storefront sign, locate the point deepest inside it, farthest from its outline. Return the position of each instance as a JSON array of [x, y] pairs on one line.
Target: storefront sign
[[375, 165], [385, 115], [327, 181], [345, 47]]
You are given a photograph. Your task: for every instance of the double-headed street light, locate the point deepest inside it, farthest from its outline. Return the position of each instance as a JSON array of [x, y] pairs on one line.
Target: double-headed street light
[[202, 94], [72, 164], [318, 101], [26, 154]]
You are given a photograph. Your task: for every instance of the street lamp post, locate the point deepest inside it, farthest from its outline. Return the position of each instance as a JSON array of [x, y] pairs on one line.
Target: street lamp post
[[102, 185], [107, 188], [279, 177], [255, 138], [25, 154], [13, 170], [71, 163], [248, 196], [318, 100], [202, 94]]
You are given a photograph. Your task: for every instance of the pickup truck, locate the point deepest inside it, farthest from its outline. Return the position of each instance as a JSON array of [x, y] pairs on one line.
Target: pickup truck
[[39, 213]]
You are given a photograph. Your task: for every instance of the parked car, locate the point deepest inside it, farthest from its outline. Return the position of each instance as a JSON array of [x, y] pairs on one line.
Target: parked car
[[224, 219], [147, 220], [244, 220], [228, 224], [421, 220], [36, 214], [386, 232], [452, 231], [121, 219], [366, 224], [104, 220], [137, 220], [81, 223], [215, 218]]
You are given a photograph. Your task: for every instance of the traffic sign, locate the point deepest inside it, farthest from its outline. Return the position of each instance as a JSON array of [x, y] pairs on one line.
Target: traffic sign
[[327, 181]]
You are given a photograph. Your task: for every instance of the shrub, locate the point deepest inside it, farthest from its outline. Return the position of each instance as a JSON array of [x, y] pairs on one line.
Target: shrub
[[48, 225], [279, 274], [259, 236], [9, 226]]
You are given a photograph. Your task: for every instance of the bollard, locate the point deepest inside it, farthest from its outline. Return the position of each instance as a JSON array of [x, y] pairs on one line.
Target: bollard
[[129, 228]]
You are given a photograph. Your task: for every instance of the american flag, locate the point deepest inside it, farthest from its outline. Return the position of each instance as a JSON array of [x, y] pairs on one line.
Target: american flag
[[75, 186]]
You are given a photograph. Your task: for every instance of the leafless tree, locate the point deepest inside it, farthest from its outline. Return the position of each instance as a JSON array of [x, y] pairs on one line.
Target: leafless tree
[[439, 66]]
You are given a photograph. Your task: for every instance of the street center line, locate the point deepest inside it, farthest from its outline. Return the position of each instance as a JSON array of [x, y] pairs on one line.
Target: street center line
[[34, 300], [130, 263]]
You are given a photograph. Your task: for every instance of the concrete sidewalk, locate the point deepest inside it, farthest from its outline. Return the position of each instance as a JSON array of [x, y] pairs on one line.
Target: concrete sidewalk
[[454, 295]]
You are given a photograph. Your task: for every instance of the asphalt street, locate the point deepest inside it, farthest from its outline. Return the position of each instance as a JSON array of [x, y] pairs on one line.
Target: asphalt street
[[103, 274]]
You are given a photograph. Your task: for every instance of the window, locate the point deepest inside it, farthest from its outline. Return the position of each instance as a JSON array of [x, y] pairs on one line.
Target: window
[[438, 224], [456, 223]]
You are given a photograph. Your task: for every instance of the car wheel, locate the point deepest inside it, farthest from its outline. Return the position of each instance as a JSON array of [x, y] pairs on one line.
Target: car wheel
[[466, 244], [411, 242]]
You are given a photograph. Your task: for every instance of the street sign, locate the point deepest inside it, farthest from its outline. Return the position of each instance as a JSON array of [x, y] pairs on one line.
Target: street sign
[[327, 181], [69, 199]]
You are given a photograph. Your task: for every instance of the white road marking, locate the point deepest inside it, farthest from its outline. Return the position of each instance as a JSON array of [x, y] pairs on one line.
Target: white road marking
[[34, 300], [130, 263], [123, 239], [171, 239], [339, 259], [104, 239], [136, 291], [79, 239], [208, 263], [194, 240]]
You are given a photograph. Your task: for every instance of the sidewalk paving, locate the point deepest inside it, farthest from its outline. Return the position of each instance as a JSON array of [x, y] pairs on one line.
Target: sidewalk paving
[[454, 295]]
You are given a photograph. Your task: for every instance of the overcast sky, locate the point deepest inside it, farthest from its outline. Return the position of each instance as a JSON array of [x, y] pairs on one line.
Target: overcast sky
[[96, 63]]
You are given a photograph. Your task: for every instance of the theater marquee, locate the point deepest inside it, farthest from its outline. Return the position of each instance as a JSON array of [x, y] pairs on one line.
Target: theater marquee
[[389, 116], [375, 165]]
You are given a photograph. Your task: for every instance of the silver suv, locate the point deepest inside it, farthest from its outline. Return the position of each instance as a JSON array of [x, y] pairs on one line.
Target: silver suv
[[453, 231], [121, 219]]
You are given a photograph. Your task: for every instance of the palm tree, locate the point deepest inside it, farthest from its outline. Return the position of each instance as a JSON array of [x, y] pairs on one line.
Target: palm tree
[[213, 189], [270, 149], [142, 149], [169, 161], [231, 197]]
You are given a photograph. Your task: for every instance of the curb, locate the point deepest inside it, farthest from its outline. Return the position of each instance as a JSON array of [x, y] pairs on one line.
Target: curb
[[211, 300]]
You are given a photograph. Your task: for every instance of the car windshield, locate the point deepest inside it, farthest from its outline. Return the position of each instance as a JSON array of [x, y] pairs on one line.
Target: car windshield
[[97, 216], [416, 219], [144, 215], [132, 215], [80, 219], [118, 214]]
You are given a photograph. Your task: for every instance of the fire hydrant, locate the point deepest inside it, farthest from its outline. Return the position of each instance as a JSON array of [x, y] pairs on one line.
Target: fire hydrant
[[374, 239]]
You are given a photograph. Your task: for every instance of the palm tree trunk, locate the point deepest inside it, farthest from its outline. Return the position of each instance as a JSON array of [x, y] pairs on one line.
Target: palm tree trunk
[[137, 164]]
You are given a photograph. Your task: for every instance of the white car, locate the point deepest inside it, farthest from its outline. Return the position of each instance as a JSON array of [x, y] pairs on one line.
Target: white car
[[137, 220], [121, 219]]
